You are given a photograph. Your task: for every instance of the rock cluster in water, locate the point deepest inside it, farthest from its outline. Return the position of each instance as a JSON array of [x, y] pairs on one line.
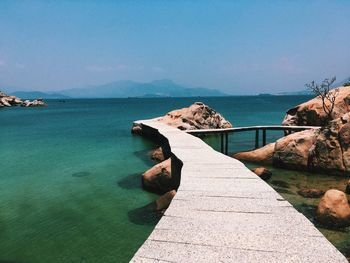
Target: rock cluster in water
[[324, 149], [196, 116], [160, 177], [8, 101]]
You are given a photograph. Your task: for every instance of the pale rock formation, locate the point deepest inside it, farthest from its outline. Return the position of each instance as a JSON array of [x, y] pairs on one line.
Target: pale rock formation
[[196, 116], [8, 101], [311, 113], [333, 209]]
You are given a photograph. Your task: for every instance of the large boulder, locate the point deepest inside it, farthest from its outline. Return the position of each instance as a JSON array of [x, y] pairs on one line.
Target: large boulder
[[324, 150], [196, 116], [261, 155], [311, 113], [293, 151], [159, 177], [333, 209]]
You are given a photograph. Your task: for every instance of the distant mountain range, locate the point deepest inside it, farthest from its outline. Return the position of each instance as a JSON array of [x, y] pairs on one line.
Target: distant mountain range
[[124, 89], [38, 94], [127, 88]]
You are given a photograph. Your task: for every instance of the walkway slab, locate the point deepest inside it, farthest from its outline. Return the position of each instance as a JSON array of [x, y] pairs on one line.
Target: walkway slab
[[223, 212]]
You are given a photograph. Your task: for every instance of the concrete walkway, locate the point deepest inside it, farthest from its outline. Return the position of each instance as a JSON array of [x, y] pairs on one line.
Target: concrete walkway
[[223, 212]]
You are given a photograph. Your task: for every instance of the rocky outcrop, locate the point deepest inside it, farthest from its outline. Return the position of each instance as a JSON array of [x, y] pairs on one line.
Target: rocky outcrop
[[311, 113], [8, 101], [333, 209], [158, 178], [34, 103], [197, 116], [262, 172], [324, 150]]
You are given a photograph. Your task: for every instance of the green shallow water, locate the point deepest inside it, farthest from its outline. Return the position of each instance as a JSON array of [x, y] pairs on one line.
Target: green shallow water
[[288, 183], [70, 187]]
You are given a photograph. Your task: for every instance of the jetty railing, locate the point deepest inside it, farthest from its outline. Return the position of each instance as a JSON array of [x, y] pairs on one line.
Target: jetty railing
[[224, 133]]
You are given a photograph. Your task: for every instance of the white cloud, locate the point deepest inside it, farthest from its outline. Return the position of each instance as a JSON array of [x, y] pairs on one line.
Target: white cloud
[[95, 68]]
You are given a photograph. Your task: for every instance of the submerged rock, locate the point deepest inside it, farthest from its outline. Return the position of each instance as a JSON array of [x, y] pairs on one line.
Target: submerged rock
[[158, 178], [311, 193], [263, 173], [333, 209], [280, 183]]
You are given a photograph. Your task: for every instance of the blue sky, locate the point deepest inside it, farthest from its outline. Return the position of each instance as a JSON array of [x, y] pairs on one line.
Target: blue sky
[[240, 47]]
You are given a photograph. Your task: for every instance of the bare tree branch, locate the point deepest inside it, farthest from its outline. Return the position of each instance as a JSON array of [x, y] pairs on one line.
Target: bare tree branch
[[324, 92]]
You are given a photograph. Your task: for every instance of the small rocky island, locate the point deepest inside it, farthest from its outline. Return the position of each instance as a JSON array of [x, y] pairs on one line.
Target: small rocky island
[[9, 101]]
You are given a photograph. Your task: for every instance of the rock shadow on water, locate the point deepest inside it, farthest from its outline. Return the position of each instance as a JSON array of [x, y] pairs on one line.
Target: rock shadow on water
[[144, 155], [145, 215], [80, 174], [132, 181]]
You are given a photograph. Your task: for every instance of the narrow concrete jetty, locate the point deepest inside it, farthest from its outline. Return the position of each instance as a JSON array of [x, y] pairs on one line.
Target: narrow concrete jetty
[[223, 212]]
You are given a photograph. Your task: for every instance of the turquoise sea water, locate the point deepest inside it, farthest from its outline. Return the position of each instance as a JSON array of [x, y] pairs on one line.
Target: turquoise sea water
[[70, 187]]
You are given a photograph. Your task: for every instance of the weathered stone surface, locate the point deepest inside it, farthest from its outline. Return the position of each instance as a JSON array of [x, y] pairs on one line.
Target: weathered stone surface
[[311, 193], [164, 200], [158, 177], [312, 113], [263, 173], [261, 155], [196, 116], [157, 155], [333, 209], [324, 150], [292, 151]]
